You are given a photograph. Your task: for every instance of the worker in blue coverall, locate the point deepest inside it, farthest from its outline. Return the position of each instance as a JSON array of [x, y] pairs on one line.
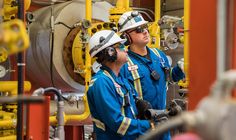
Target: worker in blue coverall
[[111, 98], [147, 68]]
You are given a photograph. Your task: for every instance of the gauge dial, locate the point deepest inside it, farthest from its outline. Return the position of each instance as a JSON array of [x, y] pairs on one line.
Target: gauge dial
[[2, 71]]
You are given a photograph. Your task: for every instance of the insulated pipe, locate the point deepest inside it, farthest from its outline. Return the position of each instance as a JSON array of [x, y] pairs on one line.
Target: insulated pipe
[[221, 36], [225, 84], [69, 118]]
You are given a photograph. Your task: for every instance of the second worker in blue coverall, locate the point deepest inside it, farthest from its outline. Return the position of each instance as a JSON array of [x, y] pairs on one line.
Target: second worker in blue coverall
[[148, 69], [110, 97]]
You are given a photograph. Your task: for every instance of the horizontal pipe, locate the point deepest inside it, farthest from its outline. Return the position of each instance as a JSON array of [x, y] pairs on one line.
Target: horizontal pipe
[[11, 137], [11, 86], [8, 123], [69, 117]]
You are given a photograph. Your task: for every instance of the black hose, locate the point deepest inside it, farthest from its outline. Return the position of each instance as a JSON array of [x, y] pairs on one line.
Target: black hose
[[56, 91], [67, 26], [20, 86], [51, 59], [162, 128]]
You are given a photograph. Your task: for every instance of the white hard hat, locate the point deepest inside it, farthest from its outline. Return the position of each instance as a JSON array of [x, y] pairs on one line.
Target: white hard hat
[[130, 20], [102, 39]]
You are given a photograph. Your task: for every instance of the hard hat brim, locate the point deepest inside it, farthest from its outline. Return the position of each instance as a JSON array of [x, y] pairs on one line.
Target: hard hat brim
[[107, 45], [134, 26]]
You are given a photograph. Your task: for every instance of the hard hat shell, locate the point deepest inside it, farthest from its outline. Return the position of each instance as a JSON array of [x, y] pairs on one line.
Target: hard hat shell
[[133, 21], [95, 41]]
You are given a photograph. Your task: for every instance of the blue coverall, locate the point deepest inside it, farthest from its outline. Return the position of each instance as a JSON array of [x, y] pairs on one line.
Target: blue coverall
[[153, 91], [106, 105]]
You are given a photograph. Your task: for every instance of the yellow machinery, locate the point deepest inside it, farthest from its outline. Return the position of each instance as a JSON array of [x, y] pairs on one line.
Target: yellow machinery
[[10, 9], [13, 38]]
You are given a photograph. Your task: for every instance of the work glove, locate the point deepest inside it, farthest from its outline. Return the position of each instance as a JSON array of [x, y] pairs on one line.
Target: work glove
[[142, 106], [157, 116]]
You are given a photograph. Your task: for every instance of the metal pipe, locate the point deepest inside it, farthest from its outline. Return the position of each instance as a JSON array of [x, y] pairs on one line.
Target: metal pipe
[[221, 36], [11, 86], [60, 117], [68, 118], [8, 123], [12, 137], [21, 76], [157, 18], [144, 9], [21, 99], [186, 39], [126, 4], [145, 13]]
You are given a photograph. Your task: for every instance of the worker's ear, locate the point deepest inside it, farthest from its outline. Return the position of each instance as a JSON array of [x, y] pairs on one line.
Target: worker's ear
[[127, 37]]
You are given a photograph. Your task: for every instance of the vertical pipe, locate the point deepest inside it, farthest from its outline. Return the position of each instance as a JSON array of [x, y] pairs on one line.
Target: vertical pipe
[[157, 17], [126, 4], [21, 73], [221, 36], [202, 49], [186, 37], [234, 38], [87, 56]]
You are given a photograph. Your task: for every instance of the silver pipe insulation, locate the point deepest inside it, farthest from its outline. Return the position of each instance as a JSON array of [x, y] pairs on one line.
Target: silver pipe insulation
[[221, 36]]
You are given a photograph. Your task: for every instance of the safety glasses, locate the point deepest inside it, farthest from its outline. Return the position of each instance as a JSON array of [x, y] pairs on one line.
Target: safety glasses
[[140, 29], [120, 46]]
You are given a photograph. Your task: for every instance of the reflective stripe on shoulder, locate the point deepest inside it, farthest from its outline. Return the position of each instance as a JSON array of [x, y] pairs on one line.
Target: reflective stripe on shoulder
[[124, 126], [118, 90], [156, 52], [99, 124], [136, 77], [118, 87], [92, 81]]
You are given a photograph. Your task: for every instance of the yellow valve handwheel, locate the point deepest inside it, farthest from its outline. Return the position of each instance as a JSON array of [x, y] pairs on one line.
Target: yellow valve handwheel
[[3, 54]]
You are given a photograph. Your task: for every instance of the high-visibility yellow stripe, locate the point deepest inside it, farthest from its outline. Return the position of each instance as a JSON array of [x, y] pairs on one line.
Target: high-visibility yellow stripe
[[156, 52], [124, 126], [118, 90], [136, 77], [99, 124]]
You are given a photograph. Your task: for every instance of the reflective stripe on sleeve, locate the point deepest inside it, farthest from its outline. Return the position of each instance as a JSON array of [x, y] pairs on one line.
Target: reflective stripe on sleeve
[[124, 126], [99, 124]]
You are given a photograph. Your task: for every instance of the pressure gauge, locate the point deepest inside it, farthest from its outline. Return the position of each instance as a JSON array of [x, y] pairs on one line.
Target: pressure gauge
[[3, 71]]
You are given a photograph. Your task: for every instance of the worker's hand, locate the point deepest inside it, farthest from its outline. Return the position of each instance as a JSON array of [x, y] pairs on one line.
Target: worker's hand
[[180, 64], [142, 106]]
